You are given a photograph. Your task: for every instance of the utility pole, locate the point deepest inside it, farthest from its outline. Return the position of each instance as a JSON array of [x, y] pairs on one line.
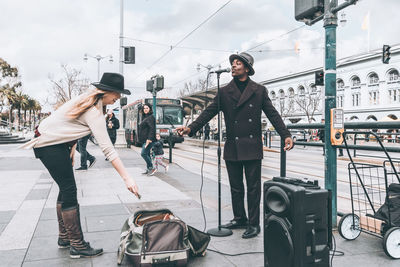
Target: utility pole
[[330, 25], [121, 142]]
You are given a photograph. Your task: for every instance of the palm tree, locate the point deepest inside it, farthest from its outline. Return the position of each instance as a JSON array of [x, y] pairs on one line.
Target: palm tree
[[20, 103], [10, 95], [37, 107]]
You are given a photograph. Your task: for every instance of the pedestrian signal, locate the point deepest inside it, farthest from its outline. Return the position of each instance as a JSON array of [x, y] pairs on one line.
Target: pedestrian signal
[[386, 54], [319, 77]]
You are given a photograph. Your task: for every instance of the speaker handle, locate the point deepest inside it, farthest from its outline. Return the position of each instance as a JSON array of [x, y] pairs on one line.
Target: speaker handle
[[313, 249]]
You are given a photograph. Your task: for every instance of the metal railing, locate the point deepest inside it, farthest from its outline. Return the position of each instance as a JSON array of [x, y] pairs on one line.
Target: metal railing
[[8, 126]]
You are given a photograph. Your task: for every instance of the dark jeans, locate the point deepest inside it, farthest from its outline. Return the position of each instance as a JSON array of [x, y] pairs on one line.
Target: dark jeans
[[56, 159], [81, 148], [146, 155], [252, 170]]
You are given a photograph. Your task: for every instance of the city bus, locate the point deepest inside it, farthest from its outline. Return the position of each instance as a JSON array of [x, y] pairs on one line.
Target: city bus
[[169, 114]]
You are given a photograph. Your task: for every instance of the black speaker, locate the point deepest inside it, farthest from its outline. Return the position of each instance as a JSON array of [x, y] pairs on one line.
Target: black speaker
[[297, 223]]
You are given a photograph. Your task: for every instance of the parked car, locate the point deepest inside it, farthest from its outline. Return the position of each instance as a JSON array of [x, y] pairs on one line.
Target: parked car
[[300, 135]]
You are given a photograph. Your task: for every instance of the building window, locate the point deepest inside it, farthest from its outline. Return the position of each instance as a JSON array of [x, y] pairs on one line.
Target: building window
[[393, 76], [374, 98], [340, 84], [356, 98], [394, 95], [373, 79], [355, 82], [281, 94], [291, 92], [340, 100], [302, 91]]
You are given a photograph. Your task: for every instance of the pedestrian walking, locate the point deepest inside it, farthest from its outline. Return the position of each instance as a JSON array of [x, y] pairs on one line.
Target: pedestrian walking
[[54, 144], [321, 136], [112, 125], [159, 152], [85, 155], [147, 135], [242, 102], [207, 131]]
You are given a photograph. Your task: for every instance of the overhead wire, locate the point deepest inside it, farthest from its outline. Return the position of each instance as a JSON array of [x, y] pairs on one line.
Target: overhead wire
[[184, 38]]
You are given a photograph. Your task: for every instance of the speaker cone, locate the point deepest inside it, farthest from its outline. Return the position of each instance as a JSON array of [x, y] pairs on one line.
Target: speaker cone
[[277, 201]]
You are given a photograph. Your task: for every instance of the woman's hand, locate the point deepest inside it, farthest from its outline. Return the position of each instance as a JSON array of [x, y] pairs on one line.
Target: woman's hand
[[148, 141], [72, 154], [131, 186]]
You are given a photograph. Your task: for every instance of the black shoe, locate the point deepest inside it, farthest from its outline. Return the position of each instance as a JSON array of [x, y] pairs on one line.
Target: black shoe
[[145, 172], [81, 169], [251, 231], [235, 224], [86, 252], [62, 243], [92, 162]]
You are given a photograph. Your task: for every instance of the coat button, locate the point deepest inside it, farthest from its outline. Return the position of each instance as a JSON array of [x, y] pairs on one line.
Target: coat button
[[236, 122], [251, 136], [237, 138], [250, 120], [251, 105]]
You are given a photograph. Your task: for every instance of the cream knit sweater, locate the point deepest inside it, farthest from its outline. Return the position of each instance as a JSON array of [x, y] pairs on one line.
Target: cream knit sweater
[[58, 128]]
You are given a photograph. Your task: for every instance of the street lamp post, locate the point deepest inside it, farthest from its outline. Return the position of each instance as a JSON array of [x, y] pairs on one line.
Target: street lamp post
[[86, 56]]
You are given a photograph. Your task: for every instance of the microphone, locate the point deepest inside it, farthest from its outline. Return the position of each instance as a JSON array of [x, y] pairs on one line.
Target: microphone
[[221, 70]]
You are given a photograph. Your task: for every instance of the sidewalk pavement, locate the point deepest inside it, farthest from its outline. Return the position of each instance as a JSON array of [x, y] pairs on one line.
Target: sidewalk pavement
[[28, 225]]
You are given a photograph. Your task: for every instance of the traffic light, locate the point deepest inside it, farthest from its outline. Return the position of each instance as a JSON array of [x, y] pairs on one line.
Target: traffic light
[[319, 77], [129, 55], [386, 54]]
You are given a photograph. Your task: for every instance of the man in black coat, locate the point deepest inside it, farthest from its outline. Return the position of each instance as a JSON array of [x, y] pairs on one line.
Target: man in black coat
[[242, 101]]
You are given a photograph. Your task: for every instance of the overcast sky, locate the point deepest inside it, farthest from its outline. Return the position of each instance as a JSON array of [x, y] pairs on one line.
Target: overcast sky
[[38, 36]]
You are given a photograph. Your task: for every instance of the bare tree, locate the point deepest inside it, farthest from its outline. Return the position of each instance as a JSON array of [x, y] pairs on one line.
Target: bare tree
[[69, 85], [308, 101], [198, 86]]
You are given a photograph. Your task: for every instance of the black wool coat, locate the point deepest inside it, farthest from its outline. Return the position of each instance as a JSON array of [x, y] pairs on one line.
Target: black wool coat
[[113, 131], [242, 113], [147, 129]]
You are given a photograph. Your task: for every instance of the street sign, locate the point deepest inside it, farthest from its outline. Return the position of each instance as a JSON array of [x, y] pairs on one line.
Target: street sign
[[129, 55]]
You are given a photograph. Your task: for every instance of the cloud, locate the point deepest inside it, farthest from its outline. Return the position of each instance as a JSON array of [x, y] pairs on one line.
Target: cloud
[[38, 36]]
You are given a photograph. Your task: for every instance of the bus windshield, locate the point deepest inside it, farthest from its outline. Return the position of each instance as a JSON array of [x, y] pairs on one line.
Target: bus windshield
[[169, 114]]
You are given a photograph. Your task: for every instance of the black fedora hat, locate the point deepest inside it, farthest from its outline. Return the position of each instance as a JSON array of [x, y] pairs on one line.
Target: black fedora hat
[[246, 58], [112, 82]]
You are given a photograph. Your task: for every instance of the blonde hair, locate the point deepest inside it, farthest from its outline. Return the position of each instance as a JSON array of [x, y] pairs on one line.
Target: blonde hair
[[85, 103]]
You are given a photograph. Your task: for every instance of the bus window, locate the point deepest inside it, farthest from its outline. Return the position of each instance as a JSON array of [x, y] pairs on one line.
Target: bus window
[[160, 115], [175, 113]]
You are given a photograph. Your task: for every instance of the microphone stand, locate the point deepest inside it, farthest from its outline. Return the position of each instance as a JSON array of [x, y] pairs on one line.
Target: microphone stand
[[219, 231]]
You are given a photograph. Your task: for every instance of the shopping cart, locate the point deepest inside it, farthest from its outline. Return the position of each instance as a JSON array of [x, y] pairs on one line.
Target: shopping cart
[[373, 202]]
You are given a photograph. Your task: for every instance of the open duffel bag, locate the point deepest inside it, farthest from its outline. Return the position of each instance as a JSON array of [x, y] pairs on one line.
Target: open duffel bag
[[152, 237]]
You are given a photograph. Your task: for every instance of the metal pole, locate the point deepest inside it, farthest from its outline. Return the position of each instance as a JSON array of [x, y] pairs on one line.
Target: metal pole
[[121, 141], [98, 68], [330, 24]]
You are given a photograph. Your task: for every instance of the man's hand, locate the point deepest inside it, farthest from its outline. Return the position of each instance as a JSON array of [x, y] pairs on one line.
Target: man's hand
[[183, 130], [288, 143]]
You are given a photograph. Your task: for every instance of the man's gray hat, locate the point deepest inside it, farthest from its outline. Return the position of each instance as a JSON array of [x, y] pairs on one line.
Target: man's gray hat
[[246, 58]]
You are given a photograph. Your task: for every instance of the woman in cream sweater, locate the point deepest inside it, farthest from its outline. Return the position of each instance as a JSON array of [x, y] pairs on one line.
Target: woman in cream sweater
[[55, 144]]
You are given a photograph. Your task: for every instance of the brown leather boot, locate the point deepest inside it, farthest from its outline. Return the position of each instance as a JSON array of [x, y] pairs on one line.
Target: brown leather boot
[[79, 247], [63, 240]]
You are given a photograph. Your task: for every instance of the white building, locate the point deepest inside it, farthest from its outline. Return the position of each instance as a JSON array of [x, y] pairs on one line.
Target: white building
[[367, 89]]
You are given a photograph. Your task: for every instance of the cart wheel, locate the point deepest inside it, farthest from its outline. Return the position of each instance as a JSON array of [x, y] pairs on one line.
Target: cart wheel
[[391, 243], [346, 228]]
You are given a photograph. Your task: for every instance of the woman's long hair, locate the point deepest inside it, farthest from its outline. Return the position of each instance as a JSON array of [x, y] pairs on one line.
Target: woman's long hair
[[150, 110], [86, 103]]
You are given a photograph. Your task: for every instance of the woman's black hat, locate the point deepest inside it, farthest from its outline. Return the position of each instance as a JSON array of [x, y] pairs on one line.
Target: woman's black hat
[[112, 82], [246, 58]]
